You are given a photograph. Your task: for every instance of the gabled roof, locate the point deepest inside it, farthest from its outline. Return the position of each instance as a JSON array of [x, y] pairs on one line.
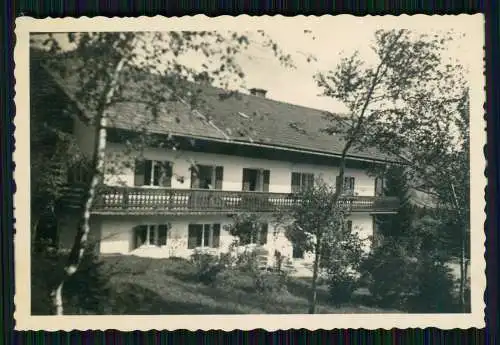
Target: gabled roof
[[231, 117]]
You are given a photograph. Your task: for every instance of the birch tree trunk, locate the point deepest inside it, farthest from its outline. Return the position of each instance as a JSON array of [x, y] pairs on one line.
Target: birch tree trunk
[[314, 284], [83, 230]]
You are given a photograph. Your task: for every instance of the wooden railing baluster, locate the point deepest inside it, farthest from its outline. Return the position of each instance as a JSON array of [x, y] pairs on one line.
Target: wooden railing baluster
[[123, 199]]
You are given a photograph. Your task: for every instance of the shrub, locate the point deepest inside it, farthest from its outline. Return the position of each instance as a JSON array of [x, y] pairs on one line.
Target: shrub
[[391, 275], [435, 288], [342, 282], [232, 279], [270, 282], [207, 266]]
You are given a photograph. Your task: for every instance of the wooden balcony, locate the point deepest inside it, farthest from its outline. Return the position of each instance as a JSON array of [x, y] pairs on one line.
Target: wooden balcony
[[162, 201]]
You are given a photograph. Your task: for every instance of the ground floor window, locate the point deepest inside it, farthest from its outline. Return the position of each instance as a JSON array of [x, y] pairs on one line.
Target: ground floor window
[[257, 235], [203, 236], [151, 235], [298, 252]]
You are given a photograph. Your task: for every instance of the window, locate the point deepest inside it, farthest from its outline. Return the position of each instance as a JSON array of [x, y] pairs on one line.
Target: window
[[257, 236], [207, 177], [348, 185], [301, 181], [153, 173], [150, 235], [203, 236], [256, 180], [298, 252]]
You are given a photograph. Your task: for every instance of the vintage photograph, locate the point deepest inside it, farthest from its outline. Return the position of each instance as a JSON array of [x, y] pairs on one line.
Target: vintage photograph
[[328, 167]]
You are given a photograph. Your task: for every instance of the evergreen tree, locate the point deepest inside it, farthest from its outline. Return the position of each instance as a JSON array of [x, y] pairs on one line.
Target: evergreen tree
[[396, 226]]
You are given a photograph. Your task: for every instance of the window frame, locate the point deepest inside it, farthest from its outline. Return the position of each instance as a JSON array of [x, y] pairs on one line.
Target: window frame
[[305, 179], [152, 173], [151, 229], [206, 242], [262, 182]]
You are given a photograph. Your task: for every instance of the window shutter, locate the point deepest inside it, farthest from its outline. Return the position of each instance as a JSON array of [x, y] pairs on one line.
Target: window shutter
[[157, 171], [140, 235], [379, 186], [263, 234], [219, 175], [166, 174], [162, 234], [266, 178], [246, 180], [194, 235], [195, 181], [205, 236], [139, 172], [351, 183], [216, 236], [148, 167], [338, 184], [295, 182]]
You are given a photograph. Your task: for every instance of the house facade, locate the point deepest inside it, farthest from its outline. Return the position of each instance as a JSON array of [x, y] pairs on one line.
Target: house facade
[[244, 155]]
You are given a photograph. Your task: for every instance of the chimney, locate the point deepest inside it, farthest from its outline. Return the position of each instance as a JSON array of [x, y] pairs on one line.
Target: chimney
[[258, 92]]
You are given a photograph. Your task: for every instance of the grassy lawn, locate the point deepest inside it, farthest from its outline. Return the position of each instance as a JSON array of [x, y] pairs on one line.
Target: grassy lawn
[[170, 286]]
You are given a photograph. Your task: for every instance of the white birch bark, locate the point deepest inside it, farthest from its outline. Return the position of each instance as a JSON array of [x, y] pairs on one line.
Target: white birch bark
[[83, 230]]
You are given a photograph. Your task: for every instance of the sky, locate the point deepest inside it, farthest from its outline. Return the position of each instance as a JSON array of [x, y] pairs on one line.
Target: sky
[[337, 36]]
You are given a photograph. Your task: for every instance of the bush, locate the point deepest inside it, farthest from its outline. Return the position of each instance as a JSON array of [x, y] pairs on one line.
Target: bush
[[270, 282], [207, 266], [341, 283], [232, 279], [391, 275], [435, 289]]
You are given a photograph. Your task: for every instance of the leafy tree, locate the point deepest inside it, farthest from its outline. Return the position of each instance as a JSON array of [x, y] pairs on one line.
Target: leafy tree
[[409, 104], [142, 67], [316, 223]]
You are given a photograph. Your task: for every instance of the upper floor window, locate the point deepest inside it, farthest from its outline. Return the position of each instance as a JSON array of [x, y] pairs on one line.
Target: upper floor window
[[203, 236], [302, 181], [150, 235], [348, 185], [207, 177], [256, 180], [153, 173]]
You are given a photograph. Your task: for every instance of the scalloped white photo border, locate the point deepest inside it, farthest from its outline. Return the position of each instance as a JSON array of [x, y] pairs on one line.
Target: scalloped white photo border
[[25, 321]]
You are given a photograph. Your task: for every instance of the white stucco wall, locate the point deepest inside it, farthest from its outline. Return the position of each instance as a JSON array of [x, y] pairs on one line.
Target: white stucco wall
[[122, 173], [117, 235]]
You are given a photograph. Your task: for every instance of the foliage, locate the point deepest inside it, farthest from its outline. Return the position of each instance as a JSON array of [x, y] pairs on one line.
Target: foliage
[[392, 274], [396, 225], [207, 266], [111, 68], [246, 227], [413, 105], [88, 288], [316, 224], [86, 291], [434, 290]]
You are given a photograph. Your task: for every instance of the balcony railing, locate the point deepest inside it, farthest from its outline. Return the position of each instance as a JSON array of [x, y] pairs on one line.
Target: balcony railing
[[141, 200]]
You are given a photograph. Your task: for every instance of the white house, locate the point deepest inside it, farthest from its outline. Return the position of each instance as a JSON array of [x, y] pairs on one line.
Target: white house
[[245, 153]]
